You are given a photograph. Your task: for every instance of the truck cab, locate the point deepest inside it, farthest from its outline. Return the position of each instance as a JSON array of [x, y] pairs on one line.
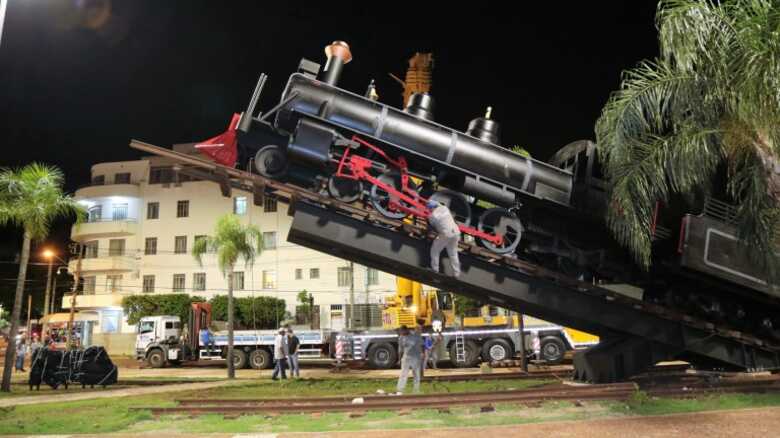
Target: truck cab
[[154, 329]]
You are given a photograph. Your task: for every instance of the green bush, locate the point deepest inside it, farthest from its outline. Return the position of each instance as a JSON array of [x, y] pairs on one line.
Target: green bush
[[139, 306], [268, 312]]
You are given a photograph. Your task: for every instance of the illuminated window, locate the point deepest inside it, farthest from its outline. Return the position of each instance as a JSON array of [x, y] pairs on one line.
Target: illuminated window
[[269, 279], [239, 205], [120, 212], [95, 213]]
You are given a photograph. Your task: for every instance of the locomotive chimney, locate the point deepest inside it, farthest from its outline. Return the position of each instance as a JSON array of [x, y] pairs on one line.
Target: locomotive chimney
[[338, 54], [420, 105], [485, 128]]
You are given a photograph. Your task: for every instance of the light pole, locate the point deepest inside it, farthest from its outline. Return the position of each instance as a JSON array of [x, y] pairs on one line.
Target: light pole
[[49, 254]]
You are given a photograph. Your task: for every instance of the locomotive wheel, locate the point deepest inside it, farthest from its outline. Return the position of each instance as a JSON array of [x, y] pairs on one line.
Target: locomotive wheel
[[344, 189], [380, 199], [457, 203], [271, 161], [504, 222]]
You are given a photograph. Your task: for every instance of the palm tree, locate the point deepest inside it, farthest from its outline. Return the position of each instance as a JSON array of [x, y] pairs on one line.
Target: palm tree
[[710, 101], [31, 198], [232, 240]]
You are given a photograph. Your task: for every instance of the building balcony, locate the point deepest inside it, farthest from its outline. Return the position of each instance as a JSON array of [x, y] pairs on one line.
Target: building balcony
[[122, 263], [103, 228], [107, 190], [91, 301]]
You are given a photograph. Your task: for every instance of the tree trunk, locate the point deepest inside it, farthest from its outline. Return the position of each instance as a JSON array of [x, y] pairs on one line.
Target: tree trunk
[[231, 370], [10, 351]]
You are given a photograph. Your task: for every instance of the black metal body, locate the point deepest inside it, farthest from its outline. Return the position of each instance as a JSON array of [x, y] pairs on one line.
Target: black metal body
[[461, 162], [390, 251]]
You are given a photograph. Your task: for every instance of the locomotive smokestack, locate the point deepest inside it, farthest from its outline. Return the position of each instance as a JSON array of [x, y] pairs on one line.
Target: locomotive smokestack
[[338, 54]]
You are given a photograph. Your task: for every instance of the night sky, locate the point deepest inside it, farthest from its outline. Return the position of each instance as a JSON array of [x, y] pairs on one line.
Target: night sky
[[80, 78]]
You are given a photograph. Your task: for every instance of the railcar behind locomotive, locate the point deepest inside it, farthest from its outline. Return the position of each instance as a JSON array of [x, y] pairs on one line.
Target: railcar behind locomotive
[[322, 137]]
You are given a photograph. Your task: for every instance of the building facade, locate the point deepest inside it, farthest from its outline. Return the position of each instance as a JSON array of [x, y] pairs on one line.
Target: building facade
[[143, 220]]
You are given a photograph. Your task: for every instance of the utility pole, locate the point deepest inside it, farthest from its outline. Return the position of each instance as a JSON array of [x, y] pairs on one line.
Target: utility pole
[[54, 293], [523, 357], [77, 277], [351, 296]]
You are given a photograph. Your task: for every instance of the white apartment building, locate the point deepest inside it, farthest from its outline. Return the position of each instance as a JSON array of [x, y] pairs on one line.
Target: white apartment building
[[143, 221]]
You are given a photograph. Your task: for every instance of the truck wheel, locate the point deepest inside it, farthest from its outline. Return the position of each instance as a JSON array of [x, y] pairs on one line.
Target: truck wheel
[[382, 356], [472, 352], [156, 358], [553, 350], [239, 359], [496, 350], [260, 359]]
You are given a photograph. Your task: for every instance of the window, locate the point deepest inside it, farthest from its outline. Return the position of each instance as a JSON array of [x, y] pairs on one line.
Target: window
[[116, 247], [91, 249], [199, 281], [183, 209], [110, 321], [198, 239], [153, 210], [120, 212], [146, 327], [160, 175], [171, 325], [150, 248], [180, 246], [336, 307], [113, 283], [269, 279], [89, 285], [269, 240], [314, 273], [122, 178], [98, 180], [238, 280], [269, 205], [344, 277], [148, 283], [178, 282], [239, 205], [372, 276], [298, 274], [95, 213]]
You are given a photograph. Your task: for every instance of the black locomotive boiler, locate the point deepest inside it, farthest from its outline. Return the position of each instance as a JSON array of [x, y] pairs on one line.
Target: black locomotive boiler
[[323, 137]]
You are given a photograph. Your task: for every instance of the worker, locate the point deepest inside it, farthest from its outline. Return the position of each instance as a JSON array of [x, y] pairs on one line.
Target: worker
[[293, 342], [433, 353], [448, 235], [280, 355], [411, 349], [207, 339]]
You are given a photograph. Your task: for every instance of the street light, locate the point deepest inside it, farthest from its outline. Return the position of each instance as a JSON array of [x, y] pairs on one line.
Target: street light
[[50, 255]]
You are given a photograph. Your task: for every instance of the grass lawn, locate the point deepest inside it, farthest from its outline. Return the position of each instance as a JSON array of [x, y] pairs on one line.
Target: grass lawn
[[115, 415]]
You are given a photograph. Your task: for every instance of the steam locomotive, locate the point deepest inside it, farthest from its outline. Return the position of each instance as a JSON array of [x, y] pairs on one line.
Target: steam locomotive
[[357, 149]]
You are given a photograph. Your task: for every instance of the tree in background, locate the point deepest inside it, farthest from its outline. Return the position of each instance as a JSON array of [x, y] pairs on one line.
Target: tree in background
[[710, 100], [231, 241], [304, 308], [30, 198]]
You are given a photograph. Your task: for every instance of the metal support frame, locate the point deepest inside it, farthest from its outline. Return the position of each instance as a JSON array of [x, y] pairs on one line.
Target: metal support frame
[[390, 251]]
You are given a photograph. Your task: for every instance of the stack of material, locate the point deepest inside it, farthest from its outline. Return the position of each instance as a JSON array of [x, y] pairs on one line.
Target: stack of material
[[87, 367]]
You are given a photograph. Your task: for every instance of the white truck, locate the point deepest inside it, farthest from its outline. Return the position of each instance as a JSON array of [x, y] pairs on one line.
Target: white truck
[[161, 341]]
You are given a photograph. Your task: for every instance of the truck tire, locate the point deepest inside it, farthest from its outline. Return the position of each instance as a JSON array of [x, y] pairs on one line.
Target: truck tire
[[260, 359], [496, 350], [156, 358], [239, 359], [383, 356], [472, 352], [552, 349]]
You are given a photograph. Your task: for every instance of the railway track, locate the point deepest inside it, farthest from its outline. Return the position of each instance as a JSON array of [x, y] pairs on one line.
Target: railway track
[[486, 400]]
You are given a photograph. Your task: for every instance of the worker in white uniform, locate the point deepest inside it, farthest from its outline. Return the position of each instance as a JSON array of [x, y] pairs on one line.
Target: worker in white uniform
[[448, 235]]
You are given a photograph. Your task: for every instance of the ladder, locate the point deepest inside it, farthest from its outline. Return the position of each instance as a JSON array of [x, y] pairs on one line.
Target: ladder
[[460, 347]]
